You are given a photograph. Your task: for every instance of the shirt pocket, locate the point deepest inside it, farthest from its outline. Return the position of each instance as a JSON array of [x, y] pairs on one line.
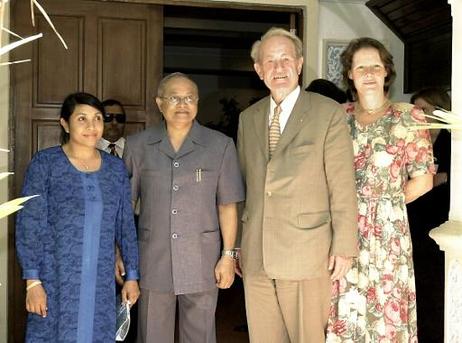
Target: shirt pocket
[[205, 178]]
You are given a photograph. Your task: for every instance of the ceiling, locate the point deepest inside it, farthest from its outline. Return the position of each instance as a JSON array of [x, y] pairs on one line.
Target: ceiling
[[411, 19]]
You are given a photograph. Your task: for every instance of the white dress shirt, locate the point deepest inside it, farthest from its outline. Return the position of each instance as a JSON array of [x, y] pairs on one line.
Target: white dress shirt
[[119, 146], [287, 105]]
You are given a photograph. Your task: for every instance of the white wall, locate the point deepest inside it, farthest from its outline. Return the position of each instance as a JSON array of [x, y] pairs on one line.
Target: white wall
[[4, 109], [347, 20]]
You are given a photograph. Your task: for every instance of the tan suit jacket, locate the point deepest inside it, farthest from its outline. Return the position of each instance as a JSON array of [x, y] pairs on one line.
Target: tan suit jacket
[[300, 205]]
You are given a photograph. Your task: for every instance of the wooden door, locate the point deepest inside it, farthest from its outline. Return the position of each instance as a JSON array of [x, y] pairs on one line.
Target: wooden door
[[115, 51]]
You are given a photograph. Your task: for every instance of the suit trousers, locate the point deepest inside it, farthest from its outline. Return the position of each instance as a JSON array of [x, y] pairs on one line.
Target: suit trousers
[[283, 311], [196, 317]]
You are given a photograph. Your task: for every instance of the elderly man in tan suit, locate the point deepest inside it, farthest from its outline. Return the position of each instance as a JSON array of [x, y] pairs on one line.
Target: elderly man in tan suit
[[300, 218]]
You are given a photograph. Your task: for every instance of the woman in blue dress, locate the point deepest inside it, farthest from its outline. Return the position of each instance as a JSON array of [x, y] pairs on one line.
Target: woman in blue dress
[[65, 237]]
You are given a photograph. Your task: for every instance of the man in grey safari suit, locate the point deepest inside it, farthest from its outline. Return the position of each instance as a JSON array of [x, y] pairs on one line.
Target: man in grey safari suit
[[300, 218], [188, 181]]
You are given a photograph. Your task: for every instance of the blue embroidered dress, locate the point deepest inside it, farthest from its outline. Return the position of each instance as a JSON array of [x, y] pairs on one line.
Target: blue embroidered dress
[[66, 237]]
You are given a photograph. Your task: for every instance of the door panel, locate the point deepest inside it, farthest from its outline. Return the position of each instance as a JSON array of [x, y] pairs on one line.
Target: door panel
[[127, 59], [57, 71], [115, 51]]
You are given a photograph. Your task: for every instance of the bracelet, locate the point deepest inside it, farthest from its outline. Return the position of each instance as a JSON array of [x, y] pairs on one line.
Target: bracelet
[[230, 253], [33, 284]]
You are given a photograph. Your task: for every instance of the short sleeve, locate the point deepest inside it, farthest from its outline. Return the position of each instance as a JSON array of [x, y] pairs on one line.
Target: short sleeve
[[418, 149], [230, 183]]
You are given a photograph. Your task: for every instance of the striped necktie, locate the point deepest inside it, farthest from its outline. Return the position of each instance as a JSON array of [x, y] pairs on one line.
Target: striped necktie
[[274, 131], [112, 149]]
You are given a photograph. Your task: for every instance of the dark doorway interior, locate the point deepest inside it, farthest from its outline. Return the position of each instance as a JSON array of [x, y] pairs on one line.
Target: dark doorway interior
[[212, 45]]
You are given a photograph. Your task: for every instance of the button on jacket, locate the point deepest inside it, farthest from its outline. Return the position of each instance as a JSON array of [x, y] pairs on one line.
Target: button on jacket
[[179, 236]]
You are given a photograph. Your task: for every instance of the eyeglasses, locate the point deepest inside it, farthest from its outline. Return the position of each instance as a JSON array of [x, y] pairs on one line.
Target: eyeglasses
[[119, 117], [175, 100]]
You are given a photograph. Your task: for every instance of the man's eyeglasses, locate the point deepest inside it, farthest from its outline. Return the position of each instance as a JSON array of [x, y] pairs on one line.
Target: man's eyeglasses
[[175, 100], [119, 117]]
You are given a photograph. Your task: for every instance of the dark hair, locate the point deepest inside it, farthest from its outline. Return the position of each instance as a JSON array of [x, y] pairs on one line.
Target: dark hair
[[437, 97], [327, 88], [112, 102], [361, 43], [69, 105]]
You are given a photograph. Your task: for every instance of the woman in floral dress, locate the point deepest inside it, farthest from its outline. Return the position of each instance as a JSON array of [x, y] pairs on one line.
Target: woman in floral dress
[[375, 302]]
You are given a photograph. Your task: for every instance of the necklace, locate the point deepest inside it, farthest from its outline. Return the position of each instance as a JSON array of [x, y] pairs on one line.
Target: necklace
[[85, 164], [372, 111]]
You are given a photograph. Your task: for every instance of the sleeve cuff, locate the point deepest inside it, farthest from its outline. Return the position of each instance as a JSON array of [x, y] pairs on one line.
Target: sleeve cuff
[[30, 274], [132, 275]]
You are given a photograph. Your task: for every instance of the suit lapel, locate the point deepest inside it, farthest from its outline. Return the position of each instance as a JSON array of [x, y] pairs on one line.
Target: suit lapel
[[296, 119], [261, 122]]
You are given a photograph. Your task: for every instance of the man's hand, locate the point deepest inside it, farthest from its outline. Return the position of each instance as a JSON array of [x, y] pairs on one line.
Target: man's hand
[[119, 267], [339, 266], [36, 300], [224, 272], [130, 291]]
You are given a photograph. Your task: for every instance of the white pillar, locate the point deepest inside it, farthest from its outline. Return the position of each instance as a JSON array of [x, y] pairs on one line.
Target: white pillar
[[449, 235]]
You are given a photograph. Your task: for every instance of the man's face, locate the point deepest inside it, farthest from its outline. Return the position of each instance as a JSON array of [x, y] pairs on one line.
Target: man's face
[[178, 105], [114, 128], [278, 66]]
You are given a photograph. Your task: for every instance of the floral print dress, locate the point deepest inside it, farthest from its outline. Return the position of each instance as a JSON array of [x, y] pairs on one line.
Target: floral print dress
[[376, 300]]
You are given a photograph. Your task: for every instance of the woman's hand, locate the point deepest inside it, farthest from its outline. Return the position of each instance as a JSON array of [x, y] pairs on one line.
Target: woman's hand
[[119, 267], [36, 299], [130, 291]]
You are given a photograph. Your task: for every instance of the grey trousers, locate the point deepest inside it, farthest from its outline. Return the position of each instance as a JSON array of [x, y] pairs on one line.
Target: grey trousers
[[196, 314]]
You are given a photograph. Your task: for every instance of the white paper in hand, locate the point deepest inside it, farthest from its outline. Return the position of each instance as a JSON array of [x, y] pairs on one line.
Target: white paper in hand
[[123, 319]]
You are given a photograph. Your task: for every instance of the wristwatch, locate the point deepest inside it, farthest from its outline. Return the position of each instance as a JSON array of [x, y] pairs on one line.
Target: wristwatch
[[231, 253]]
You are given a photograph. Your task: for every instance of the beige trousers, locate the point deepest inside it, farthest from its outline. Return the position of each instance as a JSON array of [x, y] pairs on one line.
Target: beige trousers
[[283, 311]]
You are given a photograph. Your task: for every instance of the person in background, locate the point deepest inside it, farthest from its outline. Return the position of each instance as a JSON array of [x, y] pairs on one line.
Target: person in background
[[375, 302], [188, 182], [113, 140], [327, 88], [65, 236], [299, 222], [426, 213]]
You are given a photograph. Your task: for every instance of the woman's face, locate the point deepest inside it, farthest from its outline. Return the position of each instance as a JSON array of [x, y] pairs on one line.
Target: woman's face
[[85, 126], [367, 71]]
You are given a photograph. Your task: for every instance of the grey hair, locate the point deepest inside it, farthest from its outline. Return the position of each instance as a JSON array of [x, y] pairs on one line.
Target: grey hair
[[272, 32], [177, 75]]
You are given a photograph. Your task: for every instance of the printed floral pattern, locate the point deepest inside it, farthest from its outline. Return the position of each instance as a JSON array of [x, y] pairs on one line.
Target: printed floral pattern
[[376, 301]]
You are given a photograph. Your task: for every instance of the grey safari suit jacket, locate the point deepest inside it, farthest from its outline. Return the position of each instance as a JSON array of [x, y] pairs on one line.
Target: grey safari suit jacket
[[178, 233], [301, 205]]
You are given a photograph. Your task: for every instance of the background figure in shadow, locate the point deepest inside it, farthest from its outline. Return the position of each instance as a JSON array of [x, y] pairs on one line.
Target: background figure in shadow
[[426, 213], [329, 89]]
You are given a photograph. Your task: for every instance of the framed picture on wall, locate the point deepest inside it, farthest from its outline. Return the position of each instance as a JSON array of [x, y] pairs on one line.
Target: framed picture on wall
[[332, 67]]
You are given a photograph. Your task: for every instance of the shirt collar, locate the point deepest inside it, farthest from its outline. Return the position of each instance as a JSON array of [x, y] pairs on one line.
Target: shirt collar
[[104, 143], [197, 133], [288, 103]]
